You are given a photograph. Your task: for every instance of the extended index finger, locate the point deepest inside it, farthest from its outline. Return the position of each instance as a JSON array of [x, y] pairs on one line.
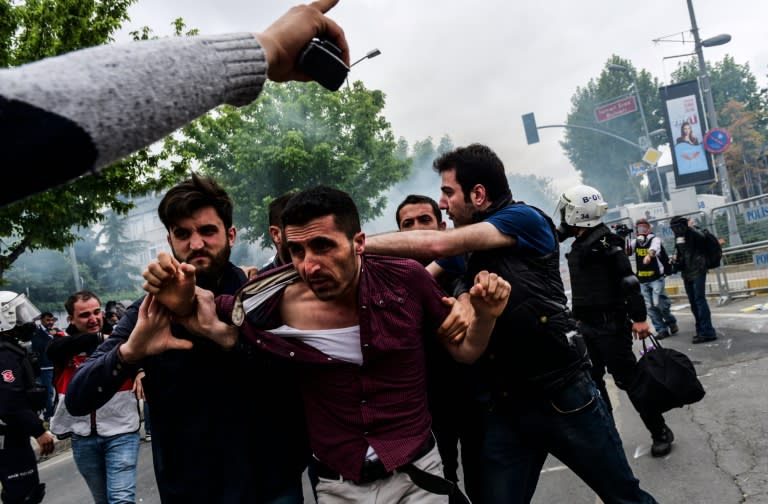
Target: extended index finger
[[324, 5]]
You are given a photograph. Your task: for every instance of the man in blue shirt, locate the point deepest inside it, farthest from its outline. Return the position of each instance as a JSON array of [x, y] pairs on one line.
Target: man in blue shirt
[[538, 396]]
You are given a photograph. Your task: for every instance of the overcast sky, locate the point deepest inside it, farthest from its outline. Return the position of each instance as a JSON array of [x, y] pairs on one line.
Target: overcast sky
[[471, 69]]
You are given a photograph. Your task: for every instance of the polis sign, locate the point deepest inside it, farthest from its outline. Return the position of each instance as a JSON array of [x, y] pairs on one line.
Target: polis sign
[[616, 108]]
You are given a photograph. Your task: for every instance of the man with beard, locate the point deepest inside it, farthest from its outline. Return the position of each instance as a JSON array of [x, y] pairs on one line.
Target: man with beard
[[535, 391], [455, 419], [227, 425], [354, 325]]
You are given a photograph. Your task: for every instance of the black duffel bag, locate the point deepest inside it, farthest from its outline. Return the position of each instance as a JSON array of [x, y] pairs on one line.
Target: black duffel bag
[[665, 379]]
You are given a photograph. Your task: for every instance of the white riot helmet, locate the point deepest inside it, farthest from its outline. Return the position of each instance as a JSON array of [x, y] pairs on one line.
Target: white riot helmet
[[16, 310], [582, 206]]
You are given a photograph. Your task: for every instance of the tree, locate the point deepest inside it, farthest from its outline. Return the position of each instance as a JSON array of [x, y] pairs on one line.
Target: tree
[[603, 161], [116, 274], [296, 136], [746, 172], [35, 29]]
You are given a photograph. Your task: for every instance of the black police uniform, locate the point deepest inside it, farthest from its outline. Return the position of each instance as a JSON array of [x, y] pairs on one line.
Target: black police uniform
[[606, 298], [20, 399]]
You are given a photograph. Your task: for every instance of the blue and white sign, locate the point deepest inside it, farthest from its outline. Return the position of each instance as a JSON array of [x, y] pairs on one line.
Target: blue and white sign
[[756, 214], [761, 260]]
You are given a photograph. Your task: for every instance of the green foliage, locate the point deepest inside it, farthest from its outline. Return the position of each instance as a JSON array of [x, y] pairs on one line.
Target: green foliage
[[295, 136], [603, 161]]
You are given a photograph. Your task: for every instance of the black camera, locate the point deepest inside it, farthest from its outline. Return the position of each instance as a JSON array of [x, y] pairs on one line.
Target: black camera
[[321, 60], [622, 230]]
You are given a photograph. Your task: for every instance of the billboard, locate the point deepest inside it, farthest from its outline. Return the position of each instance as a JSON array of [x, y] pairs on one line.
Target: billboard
[[685, 128]]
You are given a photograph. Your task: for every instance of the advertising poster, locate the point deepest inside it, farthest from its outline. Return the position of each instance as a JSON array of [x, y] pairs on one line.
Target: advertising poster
[[685, 129]]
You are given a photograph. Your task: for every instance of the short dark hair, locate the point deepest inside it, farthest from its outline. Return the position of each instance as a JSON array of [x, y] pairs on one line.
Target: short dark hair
[[73, 298], [276, 208], [417, 199], [186, 198], [46, 314], [320, 201], [476, 164]]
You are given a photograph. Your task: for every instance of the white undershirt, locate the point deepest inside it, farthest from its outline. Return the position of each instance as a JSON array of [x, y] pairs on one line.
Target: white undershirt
[[342, 344]]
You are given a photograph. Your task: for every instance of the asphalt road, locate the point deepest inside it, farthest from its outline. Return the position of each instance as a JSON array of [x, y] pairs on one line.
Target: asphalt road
[[720, 454]]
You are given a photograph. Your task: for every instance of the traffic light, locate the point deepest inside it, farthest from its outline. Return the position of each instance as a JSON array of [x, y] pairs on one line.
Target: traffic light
[[531, 133]]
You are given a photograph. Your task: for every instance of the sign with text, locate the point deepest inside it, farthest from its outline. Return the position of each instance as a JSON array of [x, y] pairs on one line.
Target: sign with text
[[616, 108], [684, 116]]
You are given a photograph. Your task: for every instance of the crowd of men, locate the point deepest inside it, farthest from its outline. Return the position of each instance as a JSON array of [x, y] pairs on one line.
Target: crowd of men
[[365, 360]]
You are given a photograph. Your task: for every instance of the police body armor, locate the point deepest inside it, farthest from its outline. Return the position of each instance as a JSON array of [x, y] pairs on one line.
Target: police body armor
[[529, 350], [592, 289], [36, 393]]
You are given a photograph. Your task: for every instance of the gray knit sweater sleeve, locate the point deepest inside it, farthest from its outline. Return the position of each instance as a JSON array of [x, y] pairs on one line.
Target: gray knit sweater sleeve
[[126, 96]]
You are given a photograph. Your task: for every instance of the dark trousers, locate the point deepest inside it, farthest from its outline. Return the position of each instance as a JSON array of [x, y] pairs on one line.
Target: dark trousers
[[574, 425], [18, 471], [609, 342], [696, 290], [460, 423]]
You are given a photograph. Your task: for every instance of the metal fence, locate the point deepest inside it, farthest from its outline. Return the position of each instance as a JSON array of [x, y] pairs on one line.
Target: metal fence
[[744, 268]]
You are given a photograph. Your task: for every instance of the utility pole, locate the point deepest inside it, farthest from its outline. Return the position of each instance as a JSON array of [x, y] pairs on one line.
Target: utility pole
[[709, 107]]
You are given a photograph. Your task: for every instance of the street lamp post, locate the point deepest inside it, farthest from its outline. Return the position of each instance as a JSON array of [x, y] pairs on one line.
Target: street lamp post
[[370, 54], [613, 67], [709, 107]]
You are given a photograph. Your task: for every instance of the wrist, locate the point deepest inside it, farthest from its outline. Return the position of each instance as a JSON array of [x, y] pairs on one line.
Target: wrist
[[126, 354]]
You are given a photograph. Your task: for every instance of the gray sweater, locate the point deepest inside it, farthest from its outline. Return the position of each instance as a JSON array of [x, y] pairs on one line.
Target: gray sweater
[[65, 116]]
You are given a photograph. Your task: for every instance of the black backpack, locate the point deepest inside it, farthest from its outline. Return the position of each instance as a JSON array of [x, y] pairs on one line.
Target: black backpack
[[713, 251]]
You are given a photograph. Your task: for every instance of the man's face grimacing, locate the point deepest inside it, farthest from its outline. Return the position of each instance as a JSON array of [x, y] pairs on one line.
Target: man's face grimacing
[[325, 258], [419, 216], [87, 316], [202, 241], [453, 200]]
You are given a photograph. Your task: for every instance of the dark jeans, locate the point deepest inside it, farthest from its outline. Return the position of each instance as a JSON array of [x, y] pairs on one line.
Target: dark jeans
[[46, 379], [696, 290], [609, 343], [575, 426]]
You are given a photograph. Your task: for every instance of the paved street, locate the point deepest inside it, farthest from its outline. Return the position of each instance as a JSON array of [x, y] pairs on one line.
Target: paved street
[[720, 454]]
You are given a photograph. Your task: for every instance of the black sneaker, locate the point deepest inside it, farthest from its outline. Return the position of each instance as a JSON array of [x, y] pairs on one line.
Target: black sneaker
[[703, 339], [662, 443], [662, 335], [673, 328]]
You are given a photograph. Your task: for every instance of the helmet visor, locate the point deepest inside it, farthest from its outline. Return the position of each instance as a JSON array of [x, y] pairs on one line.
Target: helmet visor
[[20, 310]]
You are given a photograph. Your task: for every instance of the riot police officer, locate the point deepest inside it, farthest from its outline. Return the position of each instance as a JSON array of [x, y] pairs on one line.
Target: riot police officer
[[20, 400], [606, 300]]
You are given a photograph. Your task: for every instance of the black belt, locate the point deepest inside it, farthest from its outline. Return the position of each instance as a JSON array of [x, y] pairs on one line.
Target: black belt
[[372, 469]]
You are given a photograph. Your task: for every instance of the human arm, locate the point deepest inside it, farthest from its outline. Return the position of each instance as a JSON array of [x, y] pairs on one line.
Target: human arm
[[63, 348], [630, 290], [425, 244], [83, 110], [489, 296]]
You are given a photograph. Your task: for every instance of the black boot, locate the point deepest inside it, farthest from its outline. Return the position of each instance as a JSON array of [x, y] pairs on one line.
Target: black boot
[[662, 442]]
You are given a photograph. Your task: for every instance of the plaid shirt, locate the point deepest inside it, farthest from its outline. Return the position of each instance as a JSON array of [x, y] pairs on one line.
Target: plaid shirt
[[382, 403]]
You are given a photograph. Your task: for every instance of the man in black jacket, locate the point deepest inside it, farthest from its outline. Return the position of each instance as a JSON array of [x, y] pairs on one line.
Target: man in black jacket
[[691, 262], [227, 426], [607, 301]]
